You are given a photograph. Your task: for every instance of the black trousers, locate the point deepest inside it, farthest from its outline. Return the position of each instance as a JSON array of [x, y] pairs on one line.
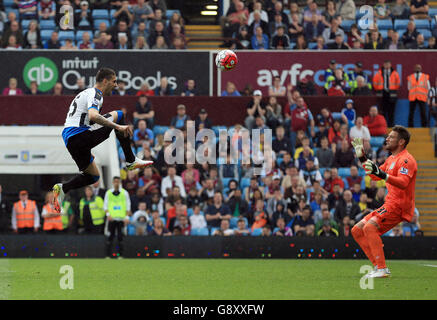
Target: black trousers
[[113, 228], [423, 115], [388, 108]]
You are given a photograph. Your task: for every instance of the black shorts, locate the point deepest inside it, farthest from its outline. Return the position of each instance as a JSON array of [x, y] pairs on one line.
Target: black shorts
[[80, 145]]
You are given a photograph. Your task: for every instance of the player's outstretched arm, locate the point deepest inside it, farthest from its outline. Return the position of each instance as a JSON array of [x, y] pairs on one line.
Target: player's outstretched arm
[[96, 117], [357, 143]]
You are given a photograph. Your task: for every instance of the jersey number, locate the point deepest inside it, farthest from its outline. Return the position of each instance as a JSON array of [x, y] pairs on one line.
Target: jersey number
[[74, 108], [82, 116]]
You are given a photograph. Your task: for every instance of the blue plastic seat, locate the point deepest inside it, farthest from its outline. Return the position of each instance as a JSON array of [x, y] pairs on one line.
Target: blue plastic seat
[[426, 33], [213, 230], [8, 3], [431, 12], [25, 24], [312, 45], [344, 172], [98, 21], [401, 24], [376, 141], [384, 24], [170, 12], [422, 23], [257, 232], [346, 24], [190, 212], [244, 183], [383, 33], [200, 232], [47, 25], [100, 14], [64, 35], [46, 34], [79, 34], [218, 128]]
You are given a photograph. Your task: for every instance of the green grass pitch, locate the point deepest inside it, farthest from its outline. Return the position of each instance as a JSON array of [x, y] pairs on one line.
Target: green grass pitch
[[180, 279]]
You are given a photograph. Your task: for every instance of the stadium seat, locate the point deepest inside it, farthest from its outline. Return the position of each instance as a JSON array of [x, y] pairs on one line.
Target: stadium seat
[[47, 24], [244, 183], [344, 172], [100, 14], [190, 211], [160, 130], [432, 12], [426, 33], [64, 35], [25, 24], [46, 34], [401, 24], [422, 23], [98, 21], [200, 232], [131, 230], [336, 115], [226, 181], [292, 45], [312, 45], [212, 231], [401, 33], [322, 171], [170, 12], [383, 33], [346, 24], [384, 24], [376, 141], [218, 128], [81, 32], [8, 3], [234, 221], [9, 9], [257, 232]]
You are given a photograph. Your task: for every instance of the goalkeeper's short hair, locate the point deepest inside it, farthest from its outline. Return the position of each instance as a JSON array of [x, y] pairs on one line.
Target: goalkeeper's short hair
[[403, 133]]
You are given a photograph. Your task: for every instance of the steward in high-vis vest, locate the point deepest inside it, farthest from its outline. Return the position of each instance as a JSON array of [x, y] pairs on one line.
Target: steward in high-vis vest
[[25, 215], [92, 213], [418, 87], [52, 219], [386, 83], [67, 215], [117, 208]]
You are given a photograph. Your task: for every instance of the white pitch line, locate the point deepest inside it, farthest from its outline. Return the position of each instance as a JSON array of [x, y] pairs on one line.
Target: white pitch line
[[430, 265]]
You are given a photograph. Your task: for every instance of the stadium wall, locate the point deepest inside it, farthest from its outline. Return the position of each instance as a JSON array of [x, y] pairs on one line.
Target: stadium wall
[[65, 246]]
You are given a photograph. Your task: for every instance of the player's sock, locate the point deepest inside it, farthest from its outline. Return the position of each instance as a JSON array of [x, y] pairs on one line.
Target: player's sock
[[125, 142], [375, 243], [79, 181], [360, 238]]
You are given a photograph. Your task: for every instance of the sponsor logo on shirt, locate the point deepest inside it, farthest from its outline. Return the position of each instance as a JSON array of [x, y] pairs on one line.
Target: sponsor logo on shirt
[[403, 170]]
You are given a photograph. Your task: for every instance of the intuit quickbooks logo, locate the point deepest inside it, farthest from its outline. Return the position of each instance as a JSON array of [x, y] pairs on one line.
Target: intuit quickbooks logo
[[43, 71]]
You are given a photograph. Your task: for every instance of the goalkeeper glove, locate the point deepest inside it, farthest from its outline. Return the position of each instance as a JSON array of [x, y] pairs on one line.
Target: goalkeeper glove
[[371, 168], [357, 143]]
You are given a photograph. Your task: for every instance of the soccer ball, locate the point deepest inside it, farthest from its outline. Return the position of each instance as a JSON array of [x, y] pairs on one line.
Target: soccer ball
[[226, 60]]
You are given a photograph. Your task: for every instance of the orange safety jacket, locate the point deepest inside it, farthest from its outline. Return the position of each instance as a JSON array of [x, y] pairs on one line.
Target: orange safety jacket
[[25, 216], [418, 89], [52, 223], [394, 82]]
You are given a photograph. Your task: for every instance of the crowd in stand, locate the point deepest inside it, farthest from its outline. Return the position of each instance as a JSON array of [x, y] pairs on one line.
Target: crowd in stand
[[137, 24], [315, 187], [336, 24]]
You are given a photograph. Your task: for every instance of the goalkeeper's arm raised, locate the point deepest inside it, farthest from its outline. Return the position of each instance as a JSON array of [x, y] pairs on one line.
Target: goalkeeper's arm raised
[[357, 143]]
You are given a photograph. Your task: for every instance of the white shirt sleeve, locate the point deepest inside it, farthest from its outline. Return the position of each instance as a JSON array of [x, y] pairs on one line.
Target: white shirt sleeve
[[366, 133], [164, 186], [181, 186], [127, 200]]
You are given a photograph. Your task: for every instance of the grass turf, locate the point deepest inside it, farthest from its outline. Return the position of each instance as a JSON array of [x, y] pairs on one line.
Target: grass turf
[[213, 279]]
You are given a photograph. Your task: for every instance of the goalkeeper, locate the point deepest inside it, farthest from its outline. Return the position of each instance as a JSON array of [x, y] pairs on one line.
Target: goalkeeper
[[399, 171]]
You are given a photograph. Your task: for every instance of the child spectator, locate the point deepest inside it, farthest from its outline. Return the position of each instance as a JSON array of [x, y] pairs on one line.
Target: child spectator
[[197, 219], [140, 219], [348, 113]]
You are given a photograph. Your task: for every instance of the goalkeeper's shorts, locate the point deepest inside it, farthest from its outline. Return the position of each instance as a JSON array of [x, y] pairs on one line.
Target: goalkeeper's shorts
[[385, 218]]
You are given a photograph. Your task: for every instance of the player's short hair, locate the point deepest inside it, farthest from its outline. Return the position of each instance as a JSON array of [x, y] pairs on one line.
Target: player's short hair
[[403, 133], [116, 178], [104, 73]]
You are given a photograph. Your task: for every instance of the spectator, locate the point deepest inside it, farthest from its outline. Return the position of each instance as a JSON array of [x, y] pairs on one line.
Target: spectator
[[339, 43], [172, 180], [86, 42], [348, 114], [197, 219], [143, 134], [190, 89], [12, 90], [314, 28], [241, 229], [420, 43], [275, 24], [277, 89], [352, 75], [346, 207], [102, 28], [243, 39], [58, 89], [382, 10], [32, 38], [280, 41], [47, 9], [124, 13], [142, 12], [346, 9], [164, 89], [258, 22], [217, 211], [330, 34], [344, 157], [25, 215], [327, 230], [12, 43], [257, 7], [13, 30], [260, 40], [156, 34], [121, 89], [68, 45], [337, 84], [320, 44], [258, 215], [159, 229], [121, 36], [103, 42], [301, 43], [177, 33], [282, 144], [418, 88], [374, 42], [304, 223], [295, 28], [400, 10], [255, 108], [225, 229], [145, 90], [236, 203], [33, 90], [360, 131], [140, 220], [230, 90], [149, 182], [141, 43], [294, 9], [181, 118], [28, 9], [362, 87], [202, 118], [329, 13], [175, 18], [140, 31], [123, 43], [310, 12], [342, 136], [310, 173], [306, 87], [174, 212], [92, 213], [324, 154], [83, 19], [301, 119], [409, 38], [355, 35], [325, 217], [281, 229], [419, 9], [235, 19], [432, 43], [144, 111]]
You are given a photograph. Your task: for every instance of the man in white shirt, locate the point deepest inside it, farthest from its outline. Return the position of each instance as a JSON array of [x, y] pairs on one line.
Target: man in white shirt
[[359, 130], [171, 181]]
